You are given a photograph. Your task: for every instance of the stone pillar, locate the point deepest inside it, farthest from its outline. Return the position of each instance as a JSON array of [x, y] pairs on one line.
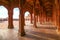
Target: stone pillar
[[58, 18], [34, 19], [21, 18], [31, 18], [37, 18], [24, 16], [21, 23], [40, 17], [10, 18], [58, 14], [54, 21]]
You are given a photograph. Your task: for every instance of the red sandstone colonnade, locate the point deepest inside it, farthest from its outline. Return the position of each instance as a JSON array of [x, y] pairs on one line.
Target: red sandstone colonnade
[[56, 16]]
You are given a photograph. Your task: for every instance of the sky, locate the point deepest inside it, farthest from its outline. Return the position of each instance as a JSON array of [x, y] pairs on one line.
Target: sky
[[4, 12]]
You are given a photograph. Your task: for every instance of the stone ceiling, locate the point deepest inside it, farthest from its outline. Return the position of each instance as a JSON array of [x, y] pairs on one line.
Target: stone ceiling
[[46, 4]]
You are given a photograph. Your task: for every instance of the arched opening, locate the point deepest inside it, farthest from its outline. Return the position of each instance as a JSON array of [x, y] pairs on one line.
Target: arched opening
[[27, 17], [3, 17], [16, 17]]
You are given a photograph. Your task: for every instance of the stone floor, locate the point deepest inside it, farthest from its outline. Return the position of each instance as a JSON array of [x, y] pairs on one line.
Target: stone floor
[[42, 32]]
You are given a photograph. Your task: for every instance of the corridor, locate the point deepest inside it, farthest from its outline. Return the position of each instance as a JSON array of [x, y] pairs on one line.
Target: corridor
[[29, 19]]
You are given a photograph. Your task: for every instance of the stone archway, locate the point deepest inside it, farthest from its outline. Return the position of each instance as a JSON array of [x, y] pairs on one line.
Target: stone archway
[[3, 16], [27, 17], [16, 17]]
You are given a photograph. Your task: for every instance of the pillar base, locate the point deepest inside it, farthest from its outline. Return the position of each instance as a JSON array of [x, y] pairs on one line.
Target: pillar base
[[58, 32], [10, 27], [22, 34], [58, 29], [24, 24], [35, 26], [31, 22]]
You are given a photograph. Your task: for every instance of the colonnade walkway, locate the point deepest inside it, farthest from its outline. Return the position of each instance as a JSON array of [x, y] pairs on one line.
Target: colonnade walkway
[[46, 31]]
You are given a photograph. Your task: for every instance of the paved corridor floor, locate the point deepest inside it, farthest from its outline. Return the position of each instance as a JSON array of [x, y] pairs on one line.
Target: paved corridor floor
[[42, 32]]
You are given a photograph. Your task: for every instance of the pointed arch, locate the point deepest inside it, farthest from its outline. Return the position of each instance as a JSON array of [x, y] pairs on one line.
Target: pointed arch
[[27, 15], [16, 13], [3, 12], [4, 16]]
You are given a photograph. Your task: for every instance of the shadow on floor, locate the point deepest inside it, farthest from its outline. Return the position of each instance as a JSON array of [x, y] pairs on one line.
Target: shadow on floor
[[41, 36], [53, 28]]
